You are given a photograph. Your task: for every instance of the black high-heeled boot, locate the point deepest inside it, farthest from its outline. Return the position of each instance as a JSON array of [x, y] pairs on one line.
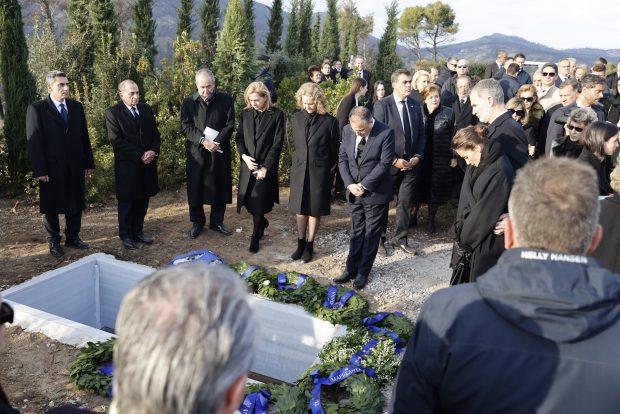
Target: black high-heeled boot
[[254, 244], [308, 252], [301, 245]]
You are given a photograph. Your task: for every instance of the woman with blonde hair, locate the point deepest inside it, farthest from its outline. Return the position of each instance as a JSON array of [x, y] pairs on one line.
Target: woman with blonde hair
[[316, 138], [532, 120], [420, 80], [260, 136]]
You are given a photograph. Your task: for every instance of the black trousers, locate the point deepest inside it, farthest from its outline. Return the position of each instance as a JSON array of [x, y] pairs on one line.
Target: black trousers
[[367, 224], [131, 217], [216, 217], [404, 186], [73, 224]]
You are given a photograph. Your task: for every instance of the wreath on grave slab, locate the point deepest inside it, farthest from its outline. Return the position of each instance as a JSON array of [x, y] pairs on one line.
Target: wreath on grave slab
[[353, 368]]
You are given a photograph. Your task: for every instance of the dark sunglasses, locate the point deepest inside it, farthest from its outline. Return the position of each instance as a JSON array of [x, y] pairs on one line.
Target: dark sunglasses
[[548, 73], [574, 128], [528, 99], [519, 112], [6, 313], [462, 66]]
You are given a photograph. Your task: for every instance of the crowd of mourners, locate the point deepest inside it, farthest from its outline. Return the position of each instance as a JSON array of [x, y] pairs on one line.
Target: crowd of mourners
[[528, 160]]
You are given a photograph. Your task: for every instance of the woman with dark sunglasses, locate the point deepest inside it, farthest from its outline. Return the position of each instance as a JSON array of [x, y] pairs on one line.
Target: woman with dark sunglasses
[[570, 144], [600, 139], [6, 316], [534, 113]]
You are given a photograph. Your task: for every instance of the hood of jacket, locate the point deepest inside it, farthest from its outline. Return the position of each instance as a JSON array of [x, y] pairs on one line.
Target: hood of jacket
[[557, 296]]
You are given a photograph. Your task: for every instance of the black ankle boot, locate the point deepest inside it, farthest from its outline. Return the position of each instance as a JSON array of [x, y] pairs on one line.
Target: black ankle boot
[[254, 244], [301, 245], [308, 252]]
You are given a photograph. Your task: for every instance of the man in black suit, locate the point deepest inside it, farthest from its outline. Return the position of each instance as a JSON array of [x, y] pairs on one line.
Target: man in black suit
[[496, 69], [207, 151], [338, 69], [61, 156], [133, 132], [404, 116], [360, 71], [366, 154]]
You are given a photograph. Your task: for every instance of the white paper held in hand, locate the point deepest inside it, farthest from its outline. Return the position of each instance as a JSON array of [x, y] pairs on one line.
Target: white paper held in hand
[[211, 134]]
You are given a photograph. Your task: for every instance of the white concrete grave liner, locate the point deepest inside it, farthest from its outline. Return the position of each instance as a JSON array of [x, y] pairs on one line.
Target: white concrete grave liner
[[72, 305]]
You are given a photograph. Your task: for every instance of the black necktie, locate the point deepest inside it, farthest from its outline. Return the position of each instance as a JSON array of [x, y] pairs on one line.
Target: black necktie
[[407, 128], [134, 111], [360, 149], [64, 114]]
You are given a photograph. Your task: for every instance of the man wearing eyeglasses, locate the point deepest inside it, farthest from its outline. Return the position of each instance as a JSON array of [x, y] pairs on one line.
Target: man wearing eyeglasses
[[448, 90], [548, 93], [447, 71], [6, 316], [495, 69]]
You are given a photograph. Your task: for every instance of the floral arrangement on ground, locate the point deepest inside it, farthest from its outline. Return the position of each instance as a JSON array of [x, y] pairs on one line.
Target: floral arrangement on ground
[[353, 368]]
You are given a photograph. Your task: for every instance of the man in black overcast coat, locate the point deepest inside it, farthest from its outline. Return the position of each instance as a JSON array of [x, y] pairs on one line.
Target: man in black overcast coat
[[133, 132], [61, 156]]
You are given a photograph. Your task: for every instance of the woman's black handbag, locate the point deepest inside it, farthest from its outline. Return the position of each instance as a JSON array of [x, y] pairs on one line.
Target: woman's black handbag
[[461, 270]]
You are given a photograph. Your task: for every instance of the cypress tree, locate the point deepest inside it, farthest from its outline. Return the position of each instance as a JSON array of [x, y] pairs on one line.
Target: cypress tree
[[316, 35], [105, 24], [305, 28], [291, 45], [209, 14], [248, 12], [330, 43], [79, 26], [19, 87], [387, 59], [144, 28], [184, 14], [275, 27], [233, 63]]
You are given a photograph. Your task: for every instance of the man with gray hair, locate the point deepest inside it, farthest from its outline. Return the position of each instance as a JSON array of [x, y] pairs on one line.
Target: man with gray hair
[[539, 331], [185, 342], [61, 157], [207, 121]]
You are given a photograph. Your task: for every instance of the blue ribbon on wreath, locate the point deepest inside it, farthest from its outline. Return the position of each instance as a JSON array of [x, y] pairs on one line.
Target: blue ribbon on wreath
[[283, 281], [255, 403], [249, 271], [332, 293], [108, 370], [206, 256], [370, 321], [340, 375]]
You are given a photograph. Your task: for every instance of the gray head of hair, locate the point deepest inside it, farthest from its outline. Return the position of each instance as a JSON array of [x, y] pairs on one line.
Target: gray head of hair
[[52, 75], [123, 84], [204, 72], [361, 112], [583, 116], [185, 335], [489, 87]]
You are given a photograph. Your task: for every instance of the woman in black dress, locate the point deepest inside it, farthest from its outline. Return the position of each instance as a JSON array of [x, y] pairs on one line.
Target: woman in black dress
[[490, 176], [260, 137], [359, 87], [434, 181], [600, 139], [532, 118], [316, 140], [379, 92]]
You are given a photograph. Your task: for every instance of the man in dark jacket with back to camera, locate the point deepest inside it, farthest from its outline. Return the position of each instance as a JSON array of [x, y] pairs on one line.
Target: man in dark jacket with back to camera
[[539, 331]]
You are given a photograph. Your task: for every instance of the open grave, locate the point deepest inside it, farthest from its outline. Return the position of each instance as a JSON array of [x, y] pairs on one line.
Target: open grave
[[78, 303]]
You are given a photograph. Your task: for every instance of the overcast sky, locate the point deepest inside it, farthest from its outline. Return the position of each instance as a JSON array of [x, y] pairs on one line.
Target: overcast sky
[[593, 24]]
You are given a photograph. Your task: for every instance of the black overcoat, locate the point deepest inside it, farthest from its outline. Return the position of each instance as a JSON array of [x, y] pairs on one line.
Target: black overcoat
[[484, 198], [434, 184], [264, 144], [344, 108], [316, 153], [61, 152], [130, 139], [608, 251], [209, 178]]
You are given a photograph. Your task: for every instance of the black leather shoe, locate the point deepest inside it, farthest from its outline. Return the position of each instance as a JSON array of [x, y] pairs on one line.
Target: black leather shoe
[[195, 230], [56, 249], [129, 243], [77, 244], [222, 229], [344, 278], [360, 282], [254, 244], [143, 238], [405, 248], [430, 229], [383, 249]]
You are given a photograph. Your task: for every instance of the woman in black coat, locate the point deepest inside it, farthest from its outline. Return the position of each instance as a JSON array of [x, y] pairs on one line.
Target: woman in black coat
[[359, 87], [600, 139], [532, 119], [485, 199], [260, 137], [608, 250], [612, 106], [434, 182], [316, 138], [379, 92]]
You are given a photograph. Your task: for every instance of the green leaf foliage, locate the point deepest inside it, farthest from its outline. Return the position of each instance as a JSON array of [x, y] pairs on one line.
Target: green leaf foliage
[[85, 370], [275, 28]]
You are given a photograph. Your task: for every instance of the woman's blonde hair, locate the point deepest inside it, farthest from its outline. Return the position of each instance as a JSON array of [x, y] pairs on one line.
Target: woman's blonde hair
[[313, 91], [259, 88]]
